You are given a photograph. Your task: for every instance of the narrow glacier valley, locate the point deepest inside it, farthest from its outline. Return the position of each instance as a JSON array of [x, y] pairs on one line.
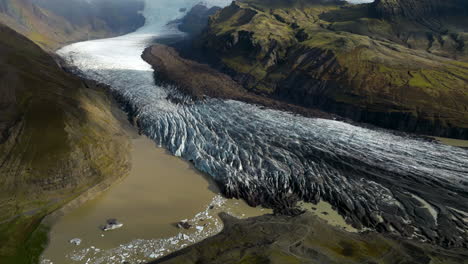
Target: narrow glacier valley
[[374, 178]]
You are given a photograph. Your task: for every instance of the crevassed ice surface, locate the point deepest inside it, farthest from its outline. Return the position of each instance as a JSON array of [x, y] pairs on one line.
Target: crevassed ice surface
[[360, 1], [375, 178]]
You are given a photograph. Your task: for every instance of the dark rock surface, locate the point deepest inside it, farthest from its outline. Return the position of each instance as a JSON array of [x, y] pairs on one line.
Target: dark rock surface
[[195, 21], [184, 225], [305, 239], [200, 81]]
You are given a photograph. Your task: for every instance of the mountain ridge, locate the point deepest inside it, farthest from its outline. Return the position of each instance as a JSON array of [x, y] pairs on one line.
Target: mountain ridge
[[401, 74], [51, 26]]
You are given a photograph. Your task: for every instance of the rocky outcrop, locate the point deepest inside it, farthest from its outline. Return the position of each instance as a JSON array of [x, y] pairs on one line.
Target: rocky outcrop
[[59, 137], [303, 239], [400, 74]]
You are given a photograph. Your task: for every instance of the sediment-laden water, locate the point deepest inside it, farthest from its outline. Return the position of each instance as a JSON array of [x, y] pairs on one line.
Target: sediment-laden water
[[160, 191], [374, 178]]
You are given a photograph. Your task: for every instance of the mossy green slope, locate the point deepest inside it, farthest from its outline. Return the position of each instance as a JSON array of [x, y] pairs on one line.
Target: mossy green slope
[[407, 73], [58, 137]]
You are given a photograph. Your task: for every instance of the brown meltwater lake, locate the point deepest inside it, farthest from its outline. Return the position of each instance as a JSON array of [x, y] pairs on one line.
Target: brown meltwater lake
[[160, 191]]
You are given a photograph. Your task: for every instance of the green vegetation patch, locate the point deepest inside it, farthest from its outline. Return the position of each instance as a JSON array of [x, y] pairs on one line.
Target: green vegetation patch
[[23, 240], [356, 58]]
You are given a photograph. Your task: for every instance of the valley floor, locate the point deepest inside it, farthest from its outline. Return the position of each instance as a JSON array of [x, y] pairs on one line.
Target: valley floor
[[305, 239], [252, 148]]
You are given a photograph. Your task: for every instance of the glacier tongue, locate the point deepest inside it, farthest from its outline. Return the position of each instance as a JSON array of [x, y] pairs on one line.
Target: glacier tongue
[[274, 158]]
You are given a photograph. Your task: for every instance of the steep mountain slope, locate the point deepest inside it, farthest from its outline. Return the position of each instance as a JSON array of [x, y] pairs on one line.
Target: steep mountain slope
[[397, 64], [58, 137], [52, 24], [114, 16]]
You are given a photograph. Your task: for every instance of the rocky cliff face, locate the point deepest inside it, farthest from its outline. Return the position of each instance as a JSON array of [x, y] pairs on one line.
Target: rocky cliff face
[[58, 138], [200, 81], [52, 23], [401, 74]]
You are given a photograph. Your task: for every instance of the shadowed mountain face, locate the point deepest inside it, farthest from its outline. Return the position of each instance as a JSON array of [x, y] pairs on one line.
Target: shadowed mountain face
[[58, 137], [420, 9], [119, 16], [304, 239], [396, 64], [53, 23], [196, 19]]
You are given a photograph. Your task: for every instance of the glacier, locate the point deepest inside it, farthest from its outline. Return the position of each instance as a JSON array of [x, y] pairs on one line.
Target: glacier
[[375, 178]]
